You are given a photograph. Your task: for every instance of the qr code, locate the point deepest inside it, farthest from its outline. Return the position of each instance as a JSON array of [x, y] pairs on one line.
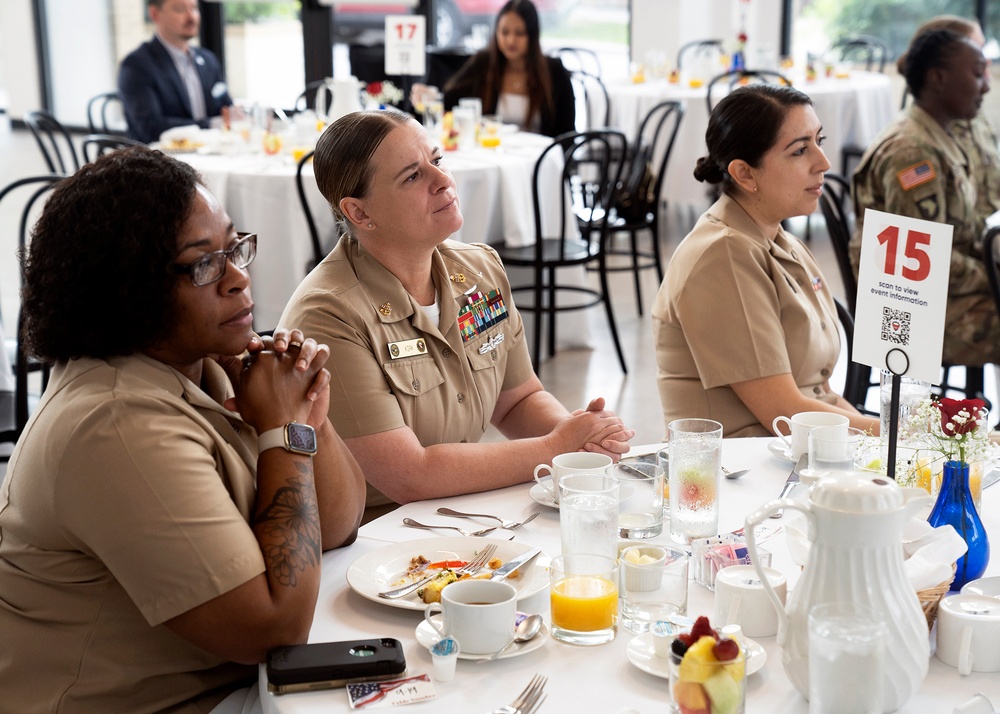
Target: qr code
[[895, 326]]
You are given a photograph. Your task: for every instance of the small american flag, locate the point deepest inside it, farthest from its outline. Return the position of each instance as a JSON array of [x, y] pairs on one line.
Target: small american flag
[[916, 175], [817, 283], [362, 694]]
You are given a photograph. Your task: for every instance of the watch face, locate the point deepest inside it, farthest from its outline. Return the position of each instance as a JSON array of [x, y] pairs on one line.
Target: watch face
[[301, 437]]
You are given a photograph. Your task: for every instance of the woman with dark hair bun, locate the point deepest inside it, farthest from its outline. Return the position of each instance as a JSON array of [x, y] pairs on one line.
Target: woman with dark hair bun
[[514, 78], [920, 167], [745, 326], [165, 509]]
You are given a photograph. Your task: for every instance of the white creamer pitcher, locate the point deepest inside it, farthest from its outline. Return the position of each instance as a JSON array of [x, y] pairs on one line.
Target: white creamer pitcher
[[346, 93], [856, 532]]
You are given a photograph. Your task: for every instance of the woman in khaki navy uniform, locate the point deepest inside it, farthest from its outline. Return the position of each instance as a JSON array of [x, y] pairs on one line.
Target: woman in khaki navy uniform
[[745, 327], [155, 543], [916, 168], [426, 347]]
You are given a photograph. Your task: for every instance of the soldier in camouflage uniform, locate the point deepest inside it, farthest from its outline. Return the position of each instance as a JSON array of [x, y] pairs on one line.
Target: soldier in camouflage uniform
[[916, 168]]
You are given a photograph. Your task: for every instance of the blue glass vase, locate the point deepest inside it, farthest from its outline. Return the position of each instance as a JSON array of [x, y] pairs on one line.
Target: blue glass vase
[[954, 507]]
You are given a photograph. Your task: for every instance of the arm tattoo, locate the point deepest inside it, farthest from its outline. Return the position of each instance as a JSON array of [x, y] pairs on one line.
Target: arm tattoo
[[290, 524]]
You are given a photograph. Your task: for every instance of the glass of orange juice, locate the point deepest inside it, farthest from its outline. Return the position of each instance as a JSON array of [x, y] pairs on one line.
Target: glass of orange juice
[[583, 591]]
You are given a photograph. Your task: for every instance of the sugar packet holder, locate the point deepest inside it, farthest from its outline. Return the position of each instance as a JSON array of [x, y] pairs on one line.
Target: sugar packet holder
[[710, 555]]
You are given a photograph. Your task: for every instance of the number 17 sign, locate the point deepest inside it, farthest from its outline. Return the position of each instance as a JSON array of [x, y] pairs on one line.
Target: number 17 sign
[[902, 295]]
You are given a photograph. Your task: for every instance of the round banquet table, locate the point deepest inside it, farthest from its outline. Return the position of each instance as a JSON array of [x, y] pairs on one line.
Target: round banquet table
[[583, 679], [853, 110]]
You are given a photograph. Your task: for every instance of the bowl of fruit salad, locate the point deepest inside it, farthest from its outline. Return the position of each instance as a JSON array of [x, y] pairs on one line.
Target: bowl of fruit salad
[[707, 672]]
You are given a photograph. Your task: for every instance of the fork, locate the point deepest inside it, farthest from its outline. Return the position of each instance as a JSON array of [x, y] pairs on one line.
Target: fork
[[413, 524], [528, 700], [472, 567], [507, 525]]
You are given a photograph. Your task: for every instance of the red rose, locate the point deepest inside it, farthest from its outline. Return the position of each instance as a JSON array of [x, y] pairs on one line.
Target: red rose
[[950, 408], [742, 37], [374, 88]]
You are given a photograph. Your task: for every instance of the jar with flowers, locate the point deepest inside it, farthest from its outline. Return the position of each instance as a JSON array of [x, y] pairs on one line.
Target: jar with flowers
[[954, 435]]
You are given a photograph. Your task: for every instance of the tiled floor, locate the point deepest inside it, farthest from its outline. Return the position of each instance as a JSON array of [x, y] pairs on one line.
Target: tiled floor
[[574, 376]]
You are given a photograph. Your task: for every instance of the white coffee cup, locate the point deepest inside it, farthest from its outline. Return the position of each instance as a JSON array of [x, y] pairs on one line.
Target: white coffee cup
[[477, 613], [740, 599], [968, 629], [573, 462], [799, 426]]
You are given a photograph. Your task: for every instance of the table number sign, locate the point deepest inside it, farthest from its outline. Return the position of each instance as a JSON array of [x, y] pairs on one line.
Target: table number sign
[[902, 295], [405, 39]]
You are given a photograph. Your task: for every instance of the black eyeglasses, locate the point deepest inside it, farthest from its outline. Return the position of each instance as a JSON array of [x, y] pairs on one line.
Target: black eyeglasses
[[212, 266]]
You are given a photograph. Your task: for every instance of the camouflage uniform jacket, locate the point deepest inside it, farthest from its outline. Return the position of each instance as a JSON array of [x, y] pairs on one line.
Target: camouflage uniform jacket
[[979, 141]]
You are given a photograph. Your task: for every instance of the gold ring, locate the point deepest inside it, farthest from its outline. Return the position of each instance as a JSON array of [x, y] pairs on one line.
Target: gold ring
[[295, 344]]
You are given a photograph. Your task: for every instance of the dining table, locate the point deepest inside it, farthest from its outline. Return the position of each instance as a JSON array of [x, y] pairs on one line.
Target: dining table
[[494, 188], [853, 109], [599, 679]]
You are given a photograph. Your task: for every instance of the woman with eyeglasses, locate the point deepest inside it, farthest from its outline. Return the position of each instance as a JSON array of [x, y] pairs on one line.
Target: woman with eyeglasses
[[164, 513]]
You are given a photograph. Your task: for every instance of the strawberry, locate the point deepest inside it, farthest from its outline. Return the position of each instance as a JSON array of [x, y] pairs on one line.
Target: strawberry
[[726, 650], [686, 639]]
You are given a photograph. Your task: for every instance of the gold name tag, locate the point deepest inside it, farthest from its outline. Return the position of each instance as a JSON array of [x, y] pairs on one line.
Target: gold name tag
[[407, 348]]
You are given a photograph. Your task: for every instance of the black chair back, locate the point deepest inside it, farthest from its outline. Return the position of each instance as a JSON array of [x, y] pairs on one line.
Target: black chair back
[[863, 49], [317, 245], [730, 79], [835, 202], [593, 104], [53, 141], [857, 377], [32, 189], [307, 99], [991, 257], [579, 59], [696, 47], [95, 145], [106, 114]]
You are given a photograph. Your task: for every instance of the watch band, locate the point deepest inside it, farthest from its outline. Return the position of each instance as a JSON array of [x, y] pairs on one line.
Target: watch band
[[271, 439]]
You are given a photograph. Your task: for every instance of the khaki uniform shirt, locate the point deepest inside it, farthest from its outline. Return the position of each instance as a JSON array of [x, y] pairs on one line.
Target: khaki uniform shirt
[[916, 169], [443, 386], [126, 503], [737, 305], [979, 142]]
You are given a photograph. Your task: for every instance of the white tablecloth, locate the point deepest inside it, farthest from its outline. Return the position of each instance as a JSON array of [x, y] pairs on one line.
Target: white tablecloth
[[585, 679], [853, 111], [258, 191]]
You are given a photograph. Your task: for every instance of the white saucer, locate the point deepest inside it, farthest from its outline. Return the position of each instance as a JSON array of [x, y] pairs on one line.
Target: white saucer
[[641, 653], [428, 636], [780, 449], [540, 495], [990, 587]]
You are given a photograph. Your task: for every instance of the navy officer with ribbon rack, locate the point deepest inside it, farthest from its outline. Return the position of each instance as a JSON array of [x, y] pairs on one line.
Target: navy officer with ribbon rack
[[426, 349]]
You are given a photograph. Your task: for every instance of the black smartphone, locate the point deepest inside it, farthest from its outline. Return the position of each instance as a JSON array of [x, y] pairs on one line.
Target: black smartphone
[[326, 665]]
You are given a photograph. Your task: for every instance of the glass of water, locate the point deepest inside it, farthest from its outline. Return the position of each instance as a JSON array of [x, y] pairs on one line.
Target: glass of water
[[640, 504], [846, 659], [588, 514], [911, 393], [695, 453]]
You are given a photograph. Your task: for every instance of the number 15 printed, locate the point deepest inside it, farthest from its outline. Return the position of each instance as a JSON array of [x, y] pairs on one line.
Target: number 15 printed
[[916, 260]]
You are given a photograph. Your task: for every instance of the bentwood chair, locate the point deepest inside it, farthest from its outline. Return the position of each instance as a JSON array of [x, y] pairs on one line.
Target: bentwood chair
[[53, 141], [30, 192], [95, 145], [314, 238], [579, 59], [639, 199], [307, 99], [593, 104], [740, 77], [571, 246], [698, 47], [106, 114]]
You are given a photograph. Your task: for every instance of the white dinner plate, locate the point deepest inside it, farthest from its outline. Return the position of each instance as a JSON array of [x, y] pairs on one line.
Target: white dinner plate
[[384, 569], [990, 587], [428, 636], [540, 495], [641, 653], [780, 449]]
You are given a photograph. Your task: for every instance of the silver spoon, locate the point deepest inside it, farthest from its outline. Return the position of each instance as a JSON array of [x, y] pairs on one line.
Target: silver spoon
[[526, 630], [733, 475]]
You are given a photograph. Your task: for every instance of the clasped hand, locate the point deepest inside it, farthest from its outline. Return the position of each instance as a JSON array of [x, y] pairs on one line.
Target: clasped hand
[[600, 430], [280, 379]]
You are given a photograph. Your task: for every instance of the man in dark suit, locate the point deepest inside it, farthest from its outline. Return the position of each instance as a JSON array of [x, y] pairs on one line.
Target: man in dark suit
[[166, 82]]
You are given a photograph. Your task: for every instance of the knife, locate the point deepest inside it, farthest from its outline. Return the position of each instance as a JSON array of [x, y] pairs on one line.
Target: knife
[[791, 482], [513, 564], [991, 478]]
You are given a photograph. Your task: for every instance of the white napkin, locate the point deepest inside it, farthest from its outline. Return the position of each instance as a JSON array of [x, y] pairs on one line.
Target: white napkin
[[931, 553], [190, 132]]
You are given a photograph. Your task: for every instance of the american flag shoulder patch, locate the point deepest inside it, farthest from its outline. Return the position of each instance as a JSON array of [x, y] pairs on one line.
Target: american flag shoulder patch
[[916, 175]]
